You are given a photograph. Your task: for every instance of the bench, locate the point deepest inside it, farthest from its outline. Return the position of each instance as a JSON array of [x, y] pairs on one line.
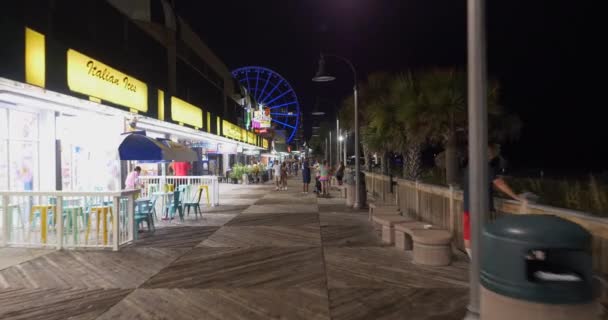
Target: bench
[[388, 221], [382, 209], [403, 231], [431, 247]]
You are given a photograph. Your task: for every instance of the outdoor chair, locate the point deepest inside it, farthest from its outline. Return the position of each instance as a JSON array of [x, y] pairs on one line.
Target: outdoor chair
[[175, 205], [194, 203], [145, 212]]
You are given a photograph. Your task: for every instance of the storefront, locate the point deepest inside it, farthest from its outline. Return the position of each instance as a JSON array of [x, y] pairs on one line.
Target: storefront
[[61, 122]]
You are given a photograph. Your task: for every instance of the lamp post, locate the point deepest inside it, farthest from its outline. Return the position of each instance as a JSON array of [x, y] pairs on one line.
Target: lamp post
[[342, 149], [478, 137], [330, 158], [322, 76], [338, 153]]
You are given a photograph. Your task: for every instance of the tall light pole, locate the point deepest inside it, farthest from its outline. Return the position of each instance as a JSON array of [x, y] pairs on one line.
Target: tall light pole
[[478, 143], [322, 76], [330, 158], [338, 153], [345, 146]]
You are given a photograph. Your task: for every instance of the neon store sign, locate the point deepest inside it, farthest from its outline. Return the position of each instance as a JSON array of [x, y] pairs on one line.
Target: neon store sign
[[261, 119]]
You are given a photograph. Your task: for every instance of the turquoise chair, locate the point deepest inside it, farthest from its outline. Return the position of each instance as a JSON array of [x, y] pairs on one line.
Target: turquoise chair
[[175, 205], [144, 212], [194, 203]]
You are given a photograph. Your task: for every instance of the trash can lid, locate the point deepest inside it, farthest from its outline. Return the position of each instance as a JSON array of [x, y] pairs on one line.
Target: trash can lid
[[545, 230]]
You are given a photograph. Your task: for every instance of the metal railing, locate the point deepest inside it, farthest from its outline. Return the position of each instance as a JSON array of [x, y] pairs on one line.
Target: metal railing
[[59, 219], [152, 184]]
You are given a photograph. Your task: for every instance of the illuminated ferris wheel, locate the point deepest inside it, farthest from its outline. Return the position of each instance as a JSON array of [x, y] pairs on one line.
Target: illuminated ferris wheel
[[272, 91]]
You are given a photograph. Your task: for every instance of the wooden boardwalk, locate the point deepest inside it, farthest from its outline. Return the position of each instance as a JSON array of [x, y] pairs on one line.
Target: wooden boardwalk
[[261, 255]]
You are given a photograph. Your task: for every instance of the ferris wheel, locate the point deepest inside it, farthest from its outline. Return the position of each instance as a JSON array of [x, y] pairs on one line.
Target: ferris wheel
[[272, 91]]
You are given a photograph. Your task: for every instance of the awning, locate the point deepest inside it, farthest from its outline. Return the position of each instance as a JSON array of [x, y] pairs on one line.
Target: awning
[[138, 146]]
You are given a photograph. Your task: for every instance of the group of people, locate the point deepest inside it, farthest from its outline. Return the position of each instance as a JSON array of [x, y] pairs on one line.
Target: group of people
[[322, 171], [280, 175]]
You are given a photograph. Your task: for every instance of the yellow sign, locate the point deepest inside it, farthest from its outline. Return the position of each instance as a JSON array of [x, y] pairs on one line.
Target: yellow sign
[[251, 138], [161, 105], [231, 131], [265, 143], [93, 78], [243, 135], [35, 58], [183, 112]]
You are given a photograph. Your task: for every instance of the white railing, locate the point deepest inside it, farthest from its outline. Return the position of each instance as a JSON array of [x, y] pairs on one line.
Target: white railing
[[152, 184], [88, 219]]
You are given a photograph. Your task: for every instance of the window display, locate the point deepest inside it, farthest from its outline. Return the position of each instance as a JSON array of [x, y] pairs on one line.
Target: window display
[[18, 150], [89, 160]]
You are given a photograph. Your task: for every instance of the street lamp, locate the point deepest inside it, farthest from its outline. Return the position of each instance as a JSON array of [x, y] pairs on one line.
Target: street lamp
[[342, 148], [323, 76]]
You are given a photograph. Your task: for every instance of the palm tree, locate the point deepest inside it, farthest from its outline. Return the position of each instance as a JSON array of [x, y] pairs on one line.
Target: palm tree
[[372, 96], [444, 94], [445, 104]]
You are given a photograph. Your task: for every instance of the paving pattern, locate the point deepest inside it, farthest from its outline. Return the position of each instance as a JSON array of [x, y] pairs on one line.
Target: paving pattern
[[262, 254]]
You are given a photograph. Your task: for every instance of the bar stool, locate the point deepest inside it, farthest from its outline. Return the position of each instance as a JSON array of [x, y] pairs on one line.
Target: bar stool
[[41, 211], [99, 212], [206, 188], [12, 208], [152, 188], [71, 214]]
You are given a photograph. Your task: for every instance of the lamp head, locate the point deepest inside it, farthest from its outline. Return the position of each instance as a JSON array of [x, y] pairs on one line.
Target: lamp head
[[321, 75]]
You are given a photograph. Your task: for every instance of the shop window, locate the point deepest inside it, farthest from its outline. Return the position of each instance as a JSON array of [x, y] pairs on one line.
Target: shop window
[[23, 163], [89, 159], [3, 163], [18, 150], [23, 125]]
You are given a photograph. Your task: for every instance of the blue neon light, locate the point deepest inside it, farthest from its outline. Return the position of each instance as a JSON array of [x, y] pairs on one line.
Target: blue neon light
[[290, 111]]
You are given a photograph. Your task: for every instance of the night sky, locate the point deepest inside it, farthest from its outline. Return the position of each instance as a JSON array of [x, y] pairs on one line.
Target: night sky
[[542, 52]]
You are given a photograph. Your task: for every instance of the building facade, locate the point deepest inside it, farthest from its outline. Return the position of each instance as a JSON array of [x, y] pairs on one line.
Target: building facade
[[75, 75]]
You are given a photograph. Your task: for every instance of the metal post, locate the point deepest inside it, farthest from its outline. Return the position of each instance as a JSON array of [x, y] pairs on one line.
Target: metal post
[[357, 167], [329, 146], [115, 214], [59, 221], [345, 147], [6, 228], [478, 138], [338, 154]]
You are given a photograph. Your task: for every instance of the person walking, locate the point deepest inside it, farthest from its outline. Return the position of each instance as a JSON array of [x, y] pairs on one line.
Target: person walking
[[340, 173], [496, 170], [324, 177], [305, 176], [277, 174], [284, 176]]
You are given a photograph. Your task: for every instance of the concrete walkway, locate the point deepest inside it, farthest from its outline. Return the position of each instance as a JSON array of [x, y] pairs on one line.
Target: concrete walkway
[[262, 254]]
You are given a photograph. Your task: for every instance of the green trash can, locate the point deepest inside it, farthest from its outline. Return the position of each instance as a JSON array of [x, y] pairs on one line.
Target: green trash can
[[537, 267]]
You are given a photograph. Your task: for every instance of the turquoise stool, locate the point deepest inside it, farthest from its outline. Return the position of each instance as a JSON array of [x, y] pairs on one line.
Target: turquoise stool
[[12, 209], [70, 218]]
